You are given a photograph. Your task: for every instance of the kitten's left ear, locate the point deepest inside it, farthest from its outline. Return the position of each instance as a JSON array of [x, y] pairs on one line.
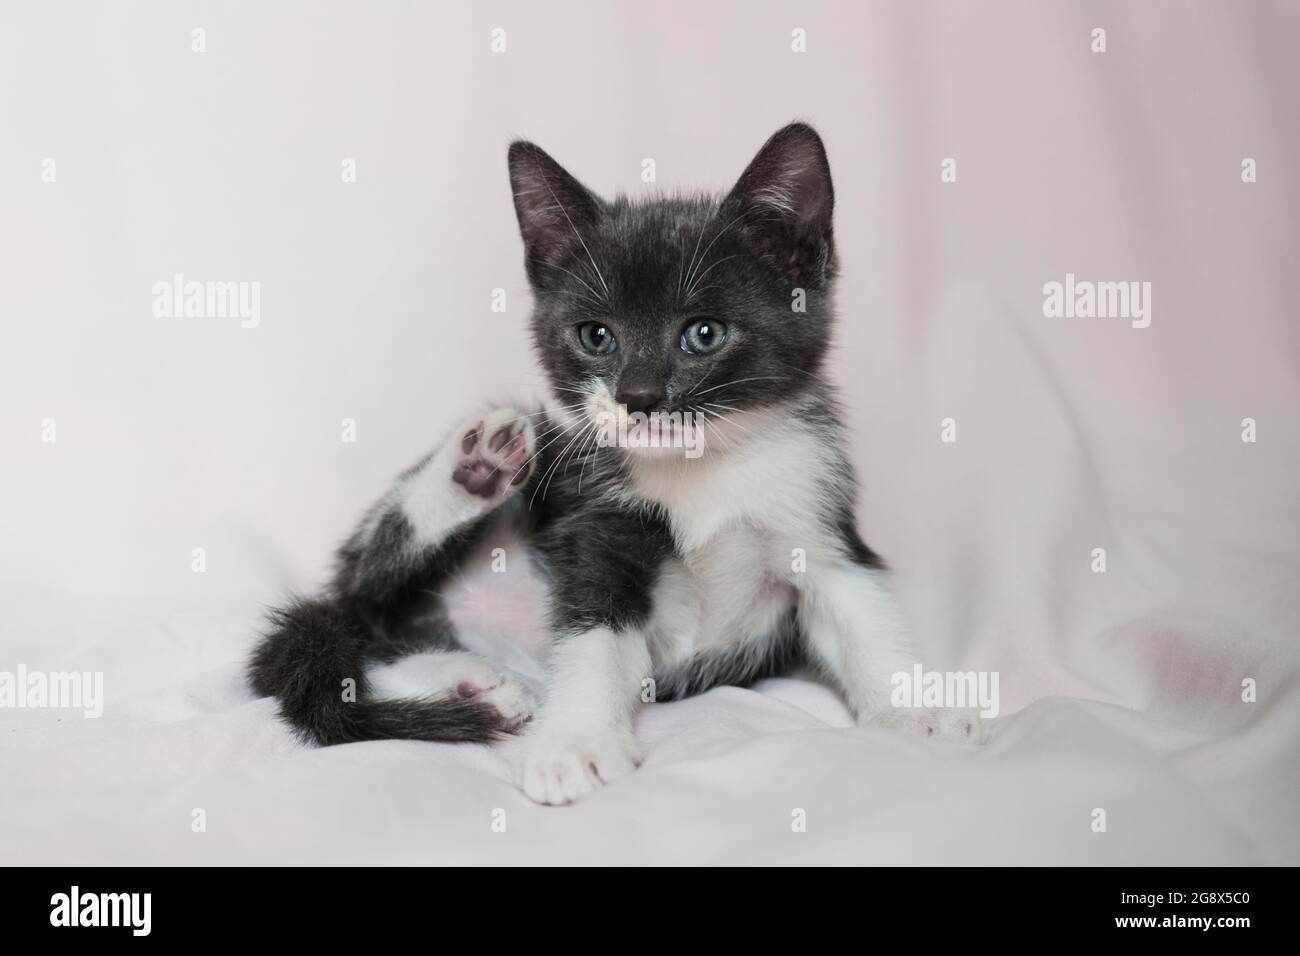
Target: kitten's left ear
[[783, 204]]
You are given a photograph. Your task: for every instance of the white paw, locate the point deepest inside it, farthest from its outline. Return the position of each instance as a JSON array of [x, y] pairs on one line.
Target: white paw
[[493, 455], [954, 723], [561, 768]]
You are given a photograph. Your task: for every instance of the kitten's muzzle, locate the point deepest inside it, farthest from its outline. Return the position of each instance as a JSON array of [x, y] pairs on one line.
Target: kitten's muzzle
[[640, 398]]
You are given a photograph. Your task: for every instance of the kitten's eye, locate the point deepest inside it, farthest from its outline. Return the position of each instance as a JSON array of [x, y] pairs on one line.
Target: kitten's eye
[[703, 336], [596, 338]]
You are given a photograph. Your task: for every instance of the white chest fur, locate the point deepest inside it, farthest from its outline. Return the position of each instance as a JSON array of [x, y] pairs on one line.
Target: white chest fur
[[744, 522]]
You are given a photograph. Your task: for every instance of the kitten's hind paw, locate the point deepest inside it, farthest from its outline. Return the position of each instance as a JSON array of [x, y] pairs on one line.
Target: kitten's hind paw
[[506, 695], [494, 454], [446, 674]]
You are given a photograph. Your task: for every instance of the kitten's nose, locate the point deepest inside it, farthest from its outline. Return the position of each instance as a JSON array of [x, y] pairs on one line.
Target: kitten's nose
[[639, 398]]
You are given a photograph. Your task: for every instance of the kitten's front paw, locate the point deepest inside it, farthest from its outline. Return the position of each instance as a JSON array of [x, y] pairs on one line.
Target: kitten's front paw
[[954, 723], [494, 454], [561, 768]]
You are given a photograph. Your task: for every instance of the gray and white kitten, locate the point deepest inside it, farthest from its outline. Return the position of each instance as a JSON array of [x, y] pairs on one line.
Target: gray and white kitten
[[665, 571]]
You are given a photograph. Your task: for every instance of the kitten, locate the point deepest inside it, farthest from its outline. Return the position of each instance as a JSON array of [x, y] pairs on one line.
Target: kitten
[[666, 571]]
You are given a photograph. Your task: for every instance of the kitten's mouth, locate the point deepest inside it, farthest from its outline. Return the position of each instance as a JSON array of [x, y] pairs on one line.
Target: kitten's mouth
[[648, 432], [645, 427]]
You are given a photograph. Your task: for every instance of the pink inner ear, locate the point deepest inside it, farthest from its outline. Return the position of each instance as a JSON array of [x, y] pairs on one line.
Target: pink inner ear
[[541, 218], [550, 203], [791, 177]]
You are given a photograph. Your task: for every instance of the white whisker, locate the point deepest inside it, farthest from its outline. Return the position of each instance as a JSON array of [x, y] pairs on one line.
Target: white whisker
[[596, 295], [741, 381], [554, 465], [693, 291], [569, 220]]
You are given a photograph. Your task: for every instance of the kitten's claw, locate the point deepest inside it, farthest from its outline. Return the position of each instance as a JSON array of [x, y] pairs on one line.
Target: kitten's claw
[[495, 454]]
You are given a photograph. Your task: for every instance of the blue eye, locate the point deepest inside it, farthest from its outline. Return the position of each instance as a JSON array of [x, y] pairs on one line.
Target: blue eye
[[596, 339], [703, 336]]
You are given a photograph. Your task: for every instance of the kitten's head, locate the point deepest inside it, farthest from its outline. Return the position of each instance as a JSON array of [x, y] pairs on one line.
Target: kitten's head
[[714, 305]]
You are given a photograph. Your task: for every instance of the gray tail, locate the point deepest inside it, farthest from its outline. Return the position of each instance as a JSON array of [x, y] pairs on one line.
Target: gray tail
[[312, 648]]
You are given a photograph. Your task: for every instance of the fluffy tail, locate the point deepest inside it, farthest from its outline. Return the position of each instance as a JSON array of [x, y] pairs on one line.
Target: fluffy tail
[[312, 648]]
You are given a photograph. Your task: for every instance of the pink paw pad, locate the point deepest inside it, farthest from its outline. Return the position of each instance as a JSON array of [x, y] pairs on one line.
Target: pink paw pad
[[500, 461]]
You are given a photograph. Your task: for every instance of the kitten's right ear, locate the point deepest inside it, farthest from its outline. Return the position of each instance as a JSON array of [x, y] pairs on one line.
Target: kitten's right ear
[[783, 203], [554, 209]]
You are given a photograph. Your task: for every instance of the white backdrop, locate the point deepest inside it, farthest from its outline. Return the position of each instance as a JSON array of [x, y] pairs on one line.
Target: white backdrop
[[1119, 690]]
